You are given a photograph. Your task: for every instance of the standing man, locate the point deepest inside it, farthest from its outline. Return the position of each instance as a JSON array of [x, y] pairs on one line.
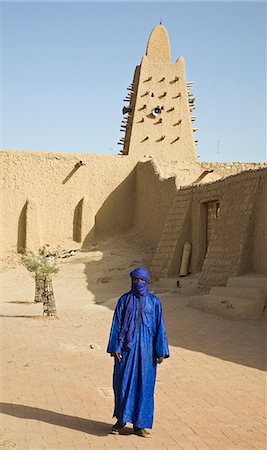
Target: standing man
[[138, 343]]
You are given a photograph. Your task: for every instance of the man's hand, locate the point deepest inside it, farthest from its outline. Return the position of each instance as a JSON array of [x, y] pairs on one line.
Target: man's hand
[[160, 359], [117, 356]]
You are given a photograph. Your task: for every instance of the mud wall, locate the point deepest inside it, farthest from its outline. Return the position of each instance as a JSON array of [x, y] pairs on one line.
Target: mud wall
[[259, 253], [154, 197], [51, 197], [239, 239]]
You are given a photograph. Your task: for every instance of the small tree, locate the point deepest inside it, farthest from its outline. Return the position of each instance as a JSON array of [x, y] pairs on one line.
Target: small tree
[[32, 263], [42, 268], [48, 268]]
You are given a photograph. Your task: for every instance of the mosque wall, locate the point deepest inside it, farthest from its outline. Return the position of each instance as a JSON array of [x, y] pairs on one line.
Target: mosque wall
[[158, 182], [154, 197], [51, 197], [48, 198], [239, 239], [241, 228], [259, 253], [230, 250]]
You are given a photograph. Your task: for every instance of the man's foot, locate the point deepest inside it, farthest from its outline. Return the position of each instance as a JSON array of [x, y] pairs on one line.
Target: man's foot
[[142, 432], [117, 428]]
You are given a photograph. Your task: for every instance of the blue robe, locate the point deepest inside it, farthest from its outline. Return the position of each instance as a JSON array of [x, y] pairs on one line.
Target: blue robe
[[134, 376]]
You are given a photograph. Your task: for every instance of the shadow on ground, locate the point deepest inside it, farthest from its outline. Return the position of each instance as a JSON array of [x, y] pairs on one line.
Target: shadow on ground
[[88, 426], [241, 342], [109, 276], [21, 316]]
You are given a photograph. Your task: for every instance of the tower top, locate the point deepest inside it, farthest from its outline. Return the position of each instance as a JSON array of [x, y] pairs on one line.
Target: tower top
[[158, 47], [159, 122]]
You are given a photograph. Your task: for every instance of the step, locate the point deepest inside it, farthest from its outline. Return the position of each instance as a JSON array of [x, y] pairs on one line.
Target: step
[[239, 292], [229, 307], [190, 281], [185, 291], [170, 283], [159, 290], [249, 281]]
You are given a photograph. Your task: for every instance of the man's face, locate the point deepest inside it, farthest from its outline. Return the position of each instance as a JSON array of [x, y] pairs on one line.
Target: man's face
[[138, 280]]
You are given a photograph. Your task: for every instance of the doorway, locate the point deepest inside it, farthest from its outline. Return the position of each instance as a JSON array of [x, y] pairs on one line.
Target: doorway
[[212, 214]]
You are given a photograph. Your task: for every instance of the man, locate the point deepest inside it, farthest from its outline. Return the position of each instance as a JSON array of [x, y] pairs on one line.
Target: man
[[138, 343]]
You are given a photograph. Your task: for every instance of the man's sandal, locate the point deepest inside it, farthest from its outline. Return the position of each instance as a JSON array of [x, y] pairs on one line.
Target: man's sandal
[[117, 428], [142, 432]]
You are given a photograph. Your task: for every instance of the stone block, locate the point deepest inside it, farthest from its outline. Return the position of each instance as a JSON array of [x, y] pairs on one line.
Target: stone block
[[238, 292], [229, 307]]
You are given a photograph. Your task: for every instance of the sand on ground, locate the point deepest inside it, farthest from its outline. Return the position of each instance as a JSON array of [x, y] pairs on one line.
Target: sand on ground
[[56, 376]]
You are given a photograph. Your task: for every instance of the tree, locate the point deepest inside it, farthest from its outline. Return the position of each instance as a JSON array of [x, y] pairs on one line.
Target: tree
[[42, 268]]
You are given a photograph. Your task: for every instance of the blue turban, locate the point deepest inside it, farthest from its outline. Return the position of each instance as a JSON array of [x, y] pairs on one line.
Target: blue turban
[[142, 273]]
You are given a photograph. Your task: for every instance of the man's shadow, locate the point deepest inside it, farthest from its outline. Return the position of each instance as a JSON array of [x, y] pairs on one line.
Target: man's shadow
[[88, 426]]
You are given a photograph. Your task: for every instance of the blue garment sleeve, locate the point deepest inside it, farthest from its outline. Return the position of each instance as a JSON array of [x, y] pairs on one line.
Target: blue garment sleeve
[[113, 344], [161, 347]]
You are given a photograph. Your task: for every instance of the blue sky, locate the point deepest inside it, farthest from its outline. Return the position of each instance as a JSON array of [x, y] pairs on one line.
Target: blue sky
[[66, 65]]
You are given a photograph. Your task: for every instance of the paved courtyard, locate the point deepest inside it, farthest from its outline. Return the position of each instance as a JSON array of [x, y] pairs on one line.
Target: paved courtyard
[[57, 376]]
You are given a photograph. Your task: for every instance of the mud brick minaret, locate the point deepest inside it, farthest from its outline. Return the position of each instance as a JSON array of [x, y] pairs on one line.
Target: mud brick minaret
[[158, 118]]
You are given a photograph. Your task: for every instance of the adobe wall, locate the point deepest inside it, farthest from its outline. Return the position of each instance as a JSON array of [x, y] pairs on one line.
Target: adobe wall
[[222, 170], [239, 240], [47, 198], [154, 197], [202, 172], [157, 185], [231, 248], [176, 231], [242, 197], [259, 254]]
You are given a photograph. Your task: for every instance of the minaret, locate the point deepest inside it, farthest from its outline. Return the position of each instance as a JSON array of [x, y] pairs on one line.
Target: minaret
[[157, 120]]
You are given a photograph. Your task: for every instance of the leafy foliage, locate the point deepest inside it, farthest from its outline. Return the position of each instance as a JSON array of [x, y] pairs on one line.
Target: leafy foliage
[[39, 264]]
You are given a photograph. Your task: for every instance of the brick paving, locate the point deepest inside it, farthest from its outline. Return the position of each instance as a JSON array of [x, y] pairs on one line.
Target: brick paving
[[56, 376]]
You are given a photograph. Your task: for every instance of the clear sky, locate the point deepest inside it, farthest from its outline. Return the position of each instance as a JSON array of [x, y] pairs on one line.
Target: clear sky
[[66, 65]]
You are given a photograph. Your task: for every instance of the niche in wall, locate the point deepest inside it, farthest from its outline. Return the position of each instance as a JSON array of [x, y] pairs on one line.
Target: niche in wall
[[212, 213], [22, 226], [77, 222], [208, 213]]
